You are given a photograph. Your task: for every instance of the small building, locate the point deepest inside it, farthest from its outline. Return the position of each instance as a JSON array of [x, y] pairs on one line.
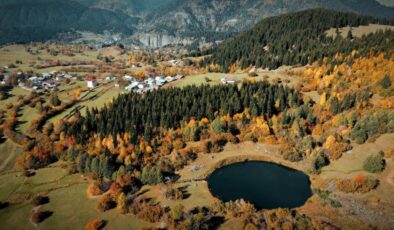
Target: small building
[[227, 80], [178, 77], [91, 82], [160, 80], [33, 79], [169, 79], [110, 78], [132, 86], [128, 78], [46, 75], [49, 84], [149, 81]]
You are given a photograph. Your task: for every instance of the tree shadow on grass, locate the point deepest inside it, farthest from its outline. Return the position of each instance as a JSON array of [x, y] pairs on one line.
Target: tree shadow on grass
[[2, 139], [185, 193], [215, 222]]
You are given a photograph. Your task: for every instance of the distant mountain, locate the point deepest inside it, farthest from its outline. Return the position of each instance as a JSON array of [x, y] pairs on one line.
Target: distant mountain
[[35, 20], [387, 2], [237, 15], [156, 23]]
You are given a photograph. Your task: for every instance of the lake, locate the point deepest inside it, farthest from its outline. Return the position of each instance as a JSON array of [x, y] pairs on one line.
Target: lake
[[266, 185]]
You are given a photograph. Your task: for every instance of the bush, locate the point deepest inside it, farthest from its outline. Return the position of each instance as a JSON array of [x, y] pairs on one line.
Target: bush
[[386, 82], [151, 175], [293, 156], [95, 225], [319, 162], [172, 193], [151, 213], [106, 203], [177, 212], [253, 74], [40, 215], [39, 200], [3, 205], [374, 163], [360, 184]]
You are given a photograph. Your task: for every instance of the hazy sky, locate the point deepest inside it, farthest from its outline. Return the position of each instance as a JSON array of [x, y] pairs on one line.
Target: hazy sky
[[387, 2]]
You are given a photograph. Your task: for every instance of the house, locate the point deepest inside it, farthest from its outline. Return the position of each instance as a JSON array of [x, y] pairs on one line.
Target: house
[[160, 80], [178, 77], [49, 85], [91, 82], [110, 78], [149, 81], [128, 78], [169, 79], [227, 80], [33, 79], [141, 85], [132, 85], [46, 75]]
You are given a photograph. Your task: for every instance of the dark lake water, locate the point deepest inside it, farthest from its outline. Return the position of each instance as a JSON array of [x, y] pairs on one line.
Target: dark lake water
[[266, 185]]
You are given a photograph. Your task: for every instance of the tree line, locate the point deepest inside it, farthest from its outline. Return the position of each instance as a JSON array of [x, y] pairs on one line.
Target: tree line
[[143, 116], [298, 38]]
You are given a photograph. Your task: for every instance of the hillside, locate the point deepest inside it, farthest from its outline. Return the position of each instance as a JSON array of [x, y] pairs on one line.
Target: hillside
[[23, 21], [155, 23], [298, 38]]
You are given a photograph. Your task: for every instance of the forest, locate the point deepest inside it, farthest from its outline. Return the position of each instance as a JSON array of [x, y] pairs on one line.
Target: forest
[[298, 39], [143, 115]]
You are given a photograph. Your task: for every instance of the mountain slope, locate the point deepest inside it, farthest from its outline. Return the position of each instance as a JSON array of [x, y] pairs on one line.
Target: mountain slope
[[298, 38], [156, 23], [230, 15], [43, 19]]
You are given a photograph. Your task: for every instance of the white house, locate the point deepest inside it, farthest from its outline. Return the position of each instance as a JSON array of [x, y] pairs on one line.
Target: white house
[[46, 75], [169, 79], [33, 79], [49, 85], [178, 77], [132, 86], [227, 80], [91, 82], [110, 78], [160, 80], [128, 78]]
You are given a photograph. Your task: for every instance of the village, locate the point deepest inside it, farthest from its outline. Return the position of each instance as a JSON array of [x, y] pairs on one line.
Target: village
[[48, 81]]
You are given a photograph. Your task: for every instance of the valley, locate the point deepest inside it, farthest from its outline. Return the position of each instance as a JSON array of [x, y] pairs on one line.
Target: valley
[[99, 134]]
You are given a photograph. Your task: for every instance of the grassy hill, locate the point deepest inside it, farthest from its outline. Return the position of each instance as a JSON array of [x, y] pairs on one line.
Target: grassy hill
[[43, 19]]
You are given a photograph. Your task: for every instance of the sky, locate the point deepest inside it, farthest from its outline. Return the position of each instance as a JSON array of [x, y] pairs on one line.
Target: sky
[[387, 2]]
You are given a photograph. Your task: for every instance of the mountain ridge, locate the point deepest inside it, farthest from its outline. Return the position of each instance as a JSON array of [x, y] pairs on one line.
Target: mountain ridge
[[154, 23]]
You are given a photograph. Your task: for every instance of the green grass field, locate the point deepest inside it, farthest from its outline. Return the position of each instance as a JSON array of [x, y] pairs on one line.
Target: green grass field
[[9, 152], [68, 202], [239, 76]]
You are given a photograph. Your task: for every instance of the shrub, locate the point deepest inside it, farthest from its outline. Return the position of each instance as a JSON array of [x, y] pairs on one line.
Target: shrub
[[39, 200], [95, 225], [385, 82], [360, 184], [94, 189], [172, 193], [253, 74], [151, 175], [318, 162], [105, 203], [151, 213], [293, 156], [3, 205], [177, 212], [40, 215], [374, 163]]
